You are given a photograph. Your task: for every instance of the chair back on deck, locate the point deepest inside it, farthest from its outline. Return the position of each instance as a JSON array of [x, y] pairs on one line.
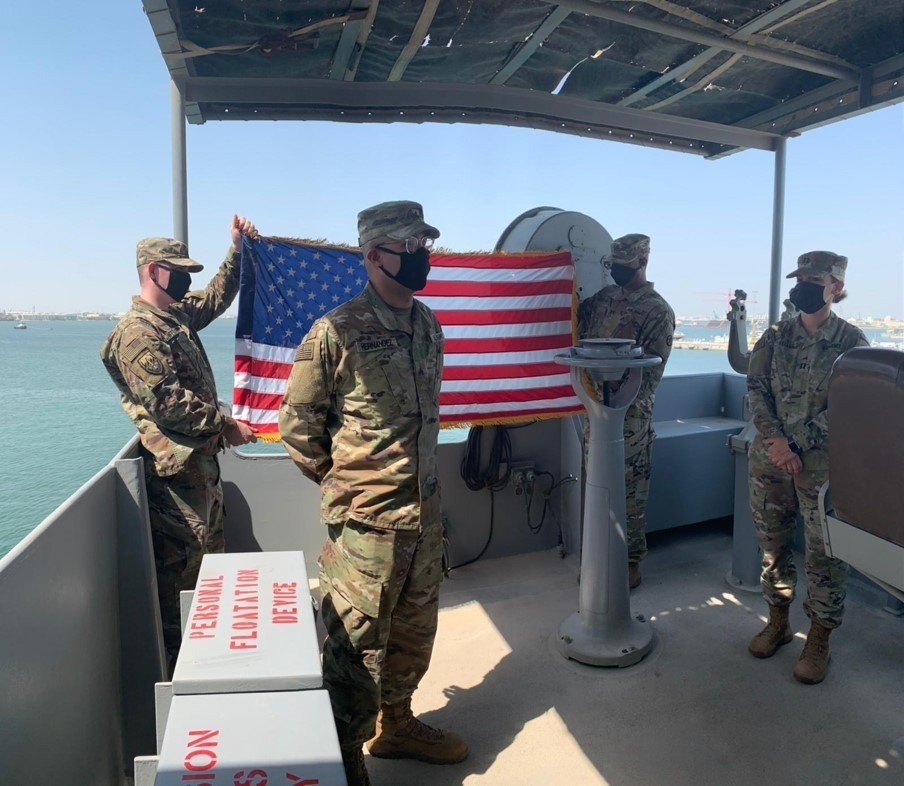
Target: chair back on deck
[[866, 441]]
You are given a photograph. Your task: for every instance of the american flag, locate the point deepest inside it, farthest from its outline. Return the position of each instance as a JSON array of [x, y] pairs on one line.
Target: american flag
[[504, 316]]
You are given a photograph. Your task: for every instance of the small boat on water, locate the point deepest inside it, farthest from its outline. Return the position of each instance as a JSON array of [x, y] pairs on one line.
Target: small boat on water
[[20, 325]]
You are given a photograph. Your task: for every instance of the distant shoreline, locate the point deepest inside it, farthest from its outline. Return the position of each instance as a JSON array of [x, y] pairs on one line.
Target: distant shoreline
[[16, 316], [870, 323], [60, 317]]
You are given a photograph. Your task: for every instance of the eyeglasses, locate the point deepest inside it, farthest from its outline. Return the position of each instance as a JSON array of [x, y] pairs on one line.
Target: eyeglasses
[[609, 263], [412, 244]]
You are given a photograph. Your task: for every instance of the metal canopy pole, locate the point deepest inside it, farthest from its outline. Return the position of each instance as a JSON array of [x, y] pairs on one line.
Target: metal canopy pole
[[778, 222], [180, 176]]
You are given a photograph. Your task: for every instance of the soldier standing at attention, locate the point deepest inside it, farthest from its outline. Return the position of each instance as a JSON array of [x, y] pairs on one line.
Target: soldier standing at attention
[[156, 359], [787, 386], [632, 309], [360, 417]]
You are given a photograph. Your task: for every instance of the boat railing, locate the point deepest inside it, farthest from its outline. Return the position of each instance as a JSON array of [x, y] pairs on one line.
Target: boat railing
[[82, 649]]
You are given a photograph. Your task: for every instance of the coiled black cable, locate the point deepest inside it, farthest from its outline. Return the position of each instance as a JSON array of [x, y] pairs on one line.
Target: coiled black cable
[[500, 466], [470, 461], [495, 478]]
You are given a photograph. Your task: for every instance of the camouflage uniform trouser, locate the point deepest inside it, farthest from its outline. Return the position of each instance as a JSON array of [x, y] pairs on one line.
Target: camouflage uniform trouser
[[380, 601], [186, 512], [775, 498], [638, 467]]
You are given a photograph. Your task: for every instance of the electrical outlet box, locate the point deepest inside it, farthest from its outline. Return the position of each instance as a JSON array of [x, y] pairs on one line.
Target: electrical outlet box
[[523, 473]]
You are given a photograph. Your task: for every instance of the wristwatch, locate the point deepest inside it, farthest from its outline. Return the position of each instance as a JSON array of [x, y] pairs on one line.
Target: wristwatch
[[795, 448]]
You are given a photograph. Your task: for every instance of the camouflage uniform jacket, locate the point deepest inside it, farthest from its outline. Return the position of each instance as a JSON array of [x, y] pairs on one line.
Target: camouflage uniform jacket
[[788, 380], [361, 413], [167, 387], [643, 316]]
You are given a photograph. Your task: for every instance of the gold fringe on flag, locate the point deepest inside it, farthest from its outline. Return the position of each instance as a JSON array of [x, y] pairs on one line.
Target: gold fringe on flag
[[514, 420], [303, 241]]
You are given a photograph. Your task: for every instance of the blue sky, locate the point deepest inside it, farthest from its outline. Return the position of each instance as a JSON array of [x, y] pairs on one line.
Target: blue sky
[[86, 174]]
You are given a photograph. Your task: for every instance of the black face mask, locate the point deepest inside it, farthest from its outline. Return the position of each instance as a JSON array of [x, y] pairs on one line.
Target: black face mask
[[413, 270], [808, 297], [179, 284], [622, 274]]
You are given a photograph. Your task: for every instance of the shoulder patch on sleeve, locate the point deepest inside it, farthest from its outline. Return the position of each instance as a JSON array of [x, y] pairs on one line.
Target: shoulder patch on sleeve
[[143, 361], [305, 351], [307, 383]]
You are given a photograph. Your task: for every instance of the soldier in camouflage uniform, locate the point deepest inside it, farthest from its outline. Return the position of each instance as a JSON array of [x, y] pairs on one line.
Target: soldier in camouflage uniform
[[360, 417], [167, 388], [787, 386], [632, 309]]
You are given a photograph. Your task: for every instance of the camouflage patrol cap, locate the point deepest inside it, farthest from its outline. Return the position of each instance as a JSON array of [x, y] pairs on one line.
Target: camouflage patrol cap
[[168, 251], [820, 263], [628, 249], [395, 221]]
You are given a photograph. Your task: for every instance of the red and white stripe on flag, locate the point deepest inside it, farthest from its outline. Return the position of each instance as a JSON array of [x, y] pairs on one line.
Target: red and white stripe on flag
[[504, 316], [261, 372]]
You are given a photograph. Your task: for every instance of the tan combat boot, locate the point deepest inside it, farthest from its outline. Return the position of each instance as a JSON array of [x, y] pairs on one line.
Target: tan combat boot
[[355, 769], [402, 736], [813, 663], [633, 575], [776, 634]]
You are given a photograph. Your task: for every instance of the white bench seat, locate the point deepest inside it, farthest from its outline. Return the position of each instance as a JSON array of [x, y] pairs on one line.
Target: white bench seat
[[693, 471]]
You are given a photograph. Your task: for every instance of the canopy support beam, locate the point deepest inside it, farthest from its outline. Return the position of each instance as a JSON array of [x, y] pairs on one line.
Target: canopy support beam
[[690, 66], [848, 73], [180, 174], [313, 99], [778, 225]]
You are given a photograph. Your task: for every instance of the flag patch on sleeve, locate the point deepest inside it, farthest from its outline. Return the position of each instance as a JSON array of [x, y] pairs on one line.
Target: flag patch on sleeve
[[305, 351]]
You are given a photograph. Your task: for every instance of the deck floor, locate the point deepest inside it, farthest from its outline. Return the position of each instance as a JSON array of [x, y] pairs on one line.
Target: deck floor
[[697, 710]]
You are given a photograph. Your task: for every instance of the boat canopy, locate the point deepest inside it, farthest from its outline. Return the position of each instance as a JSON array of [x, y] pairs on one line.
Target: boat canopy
[[709, 78]]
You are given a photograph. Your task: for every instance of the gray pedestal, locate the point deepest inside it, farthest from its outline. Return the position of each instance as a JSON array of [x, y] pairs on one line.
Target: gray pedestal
[[603, 632]]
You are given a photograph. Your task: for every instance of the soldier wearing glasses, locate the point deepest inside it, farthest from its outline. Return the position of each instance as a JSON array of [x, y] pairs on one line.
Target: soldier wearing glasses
[[360, 417]]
